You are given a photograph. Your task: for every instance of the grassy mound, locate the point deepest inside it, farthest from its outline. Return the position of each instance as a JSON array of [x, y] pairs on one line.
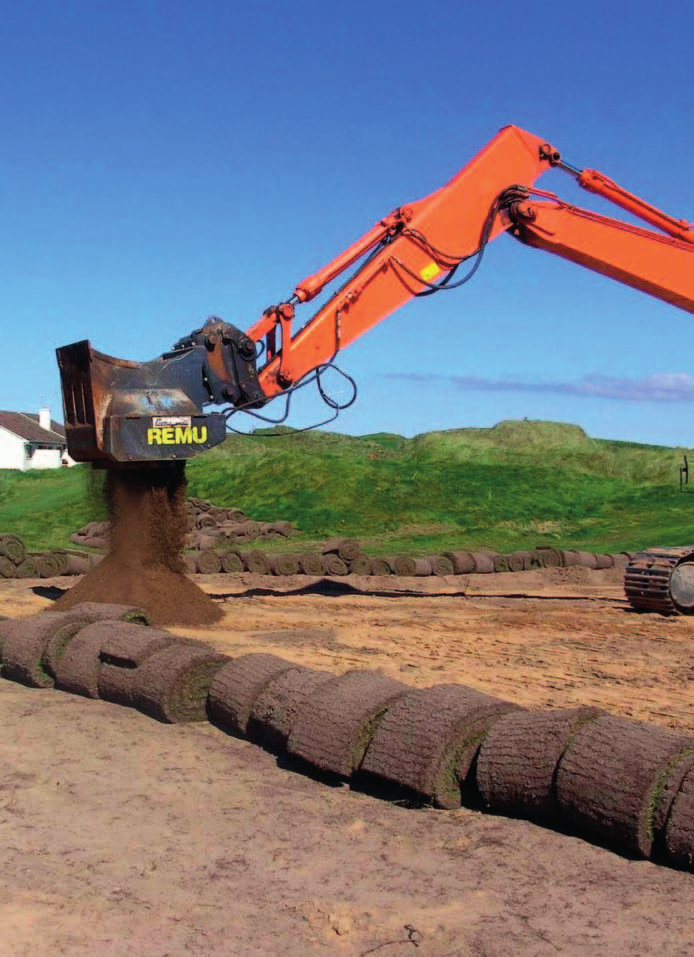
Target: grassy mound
[[512, 486]]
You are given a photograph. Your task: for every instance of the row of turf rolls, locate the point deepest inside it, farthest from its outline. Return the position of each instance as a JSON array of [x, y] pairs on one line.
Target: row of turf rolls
[[111, 652], [17, 562], [624, 783], [345, 557]]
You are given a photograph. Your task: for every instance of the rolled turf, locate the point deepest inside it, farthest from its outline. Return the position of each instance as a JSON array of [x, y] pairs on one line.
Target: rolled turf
[[238, 684], [311, 564], [275, 709], [428, 740], [519, 757], [283, 564], [679, 832], [171, 685], [31, 646], [463, 562], [232, 563], [208, 562], [610, 780], [346, 548], [334, 726], [334, 565], [361, 565], [381, 567]]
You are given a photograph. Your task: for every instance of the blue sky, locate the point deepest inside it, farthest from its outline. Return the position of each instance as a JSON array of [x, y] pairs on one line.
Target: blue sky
[[163, 161]]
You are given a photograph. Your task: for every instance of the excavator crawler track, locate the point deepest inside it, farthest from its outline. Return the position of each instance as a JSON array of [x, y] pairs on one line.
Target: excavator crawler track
[[661, 580]]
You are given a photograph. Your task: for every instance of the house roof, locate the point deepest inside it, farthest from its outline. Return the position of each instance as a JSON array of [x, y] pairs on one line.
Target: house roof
[[26, 426]]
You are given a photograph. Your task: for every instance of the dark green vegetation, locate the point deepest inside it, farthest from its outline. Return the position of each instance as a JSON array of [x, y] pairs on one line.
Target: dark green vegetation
[[516, 485]]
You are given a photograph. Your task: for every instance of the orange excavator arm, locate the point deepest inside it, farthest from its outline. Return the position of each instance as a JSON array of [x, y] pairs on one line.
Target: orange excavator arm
[[410, 251], [416, 248], [120, 412]]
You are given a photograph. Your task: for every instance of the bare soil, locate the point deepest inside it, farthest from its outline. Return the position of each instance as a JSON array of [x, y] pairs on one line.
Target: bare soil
[[124, 836]]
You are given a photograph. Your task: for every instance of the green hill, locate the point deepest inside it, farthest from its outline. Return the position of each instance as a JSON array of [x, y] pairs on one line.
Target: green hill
[[514, 485]]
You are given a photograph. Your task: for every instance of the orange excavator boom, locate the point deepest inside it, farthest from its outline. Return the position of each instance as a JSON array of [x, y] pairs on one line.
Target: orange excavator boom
[[120, 412]]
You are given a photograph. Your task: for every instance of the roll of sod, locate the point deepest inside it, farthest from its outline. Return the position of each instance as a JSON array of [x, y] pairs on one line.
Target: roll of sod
[[238, 684], [501, 563], [283, 564], [484, 563], [208, 562], [334, 726], [87, 613], [12, 547], [274, 711], [171, 685], [31, 646], [109, 611], [7, 568], [679, 831], [46, 565], [334, 565], [571, 558], [404, 565], [24, 641], [422, 567], [586, 559], [232, 563], [463, 562], [61, 558], [620, 560], [518, 760], [516, 561], [27, 569], [549, 557], [381, 566], [610, 780], [521, 560], [250, 531], [603, 561], [346, 548], [189, 564], [311, 564], [535, 558], [361, 565], [77, 668], [77, 564], [205, 521], [255, 562], [441, 566], [428, 740], [126, 645]]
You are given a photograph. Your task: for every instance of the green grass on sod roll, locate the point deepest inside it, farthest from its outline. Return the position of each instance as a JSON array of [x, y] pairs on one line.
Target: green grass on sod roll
[[237, 685], [518, 759], [275, 709], [334, 726], [610, 780], [172, 685], [429, 738]]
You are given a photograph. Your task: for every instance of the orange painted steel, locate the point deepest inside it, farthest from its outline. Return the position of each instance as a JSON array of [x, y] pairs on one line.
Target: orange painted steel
[[451, 219], [418, 244], [650, 262]]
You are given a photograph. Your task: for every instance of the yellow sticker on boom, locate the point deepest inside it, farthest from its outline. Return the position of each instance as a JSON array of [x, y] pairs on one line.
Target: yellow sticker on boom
[[430, 271]]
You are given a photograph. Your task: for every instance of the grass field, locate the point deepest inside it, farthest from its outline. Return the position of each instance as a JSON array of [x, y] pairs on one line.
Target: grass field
[[516, 485]]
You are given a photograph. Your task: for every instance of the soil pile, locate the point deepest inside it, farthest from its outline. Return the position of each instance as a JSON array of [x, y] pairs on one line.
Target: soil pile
[[144, 566]]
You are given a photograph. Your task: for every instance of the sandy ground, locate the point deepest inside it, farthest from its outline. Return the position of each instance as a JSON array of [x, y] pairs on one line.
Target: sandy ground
[[124, 836]]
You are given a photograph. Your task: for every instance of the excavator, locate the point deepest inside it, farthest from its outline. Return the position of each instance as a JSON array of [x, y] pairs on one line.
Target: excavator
[[121, 414]]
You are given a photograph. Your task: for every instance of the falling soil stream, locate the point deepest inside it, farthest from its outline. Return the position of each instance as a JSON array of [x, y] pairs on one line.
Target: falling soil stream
[[144, 566]]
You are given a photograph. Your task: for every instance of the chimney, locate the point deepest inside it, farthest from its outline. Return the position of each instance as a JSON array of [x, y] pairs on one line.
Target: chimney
[[45, 419]]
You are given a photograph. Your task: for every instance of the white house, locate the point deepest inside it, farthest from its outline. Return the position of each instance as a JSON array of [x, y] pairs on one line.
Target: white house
[[32, 441]]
